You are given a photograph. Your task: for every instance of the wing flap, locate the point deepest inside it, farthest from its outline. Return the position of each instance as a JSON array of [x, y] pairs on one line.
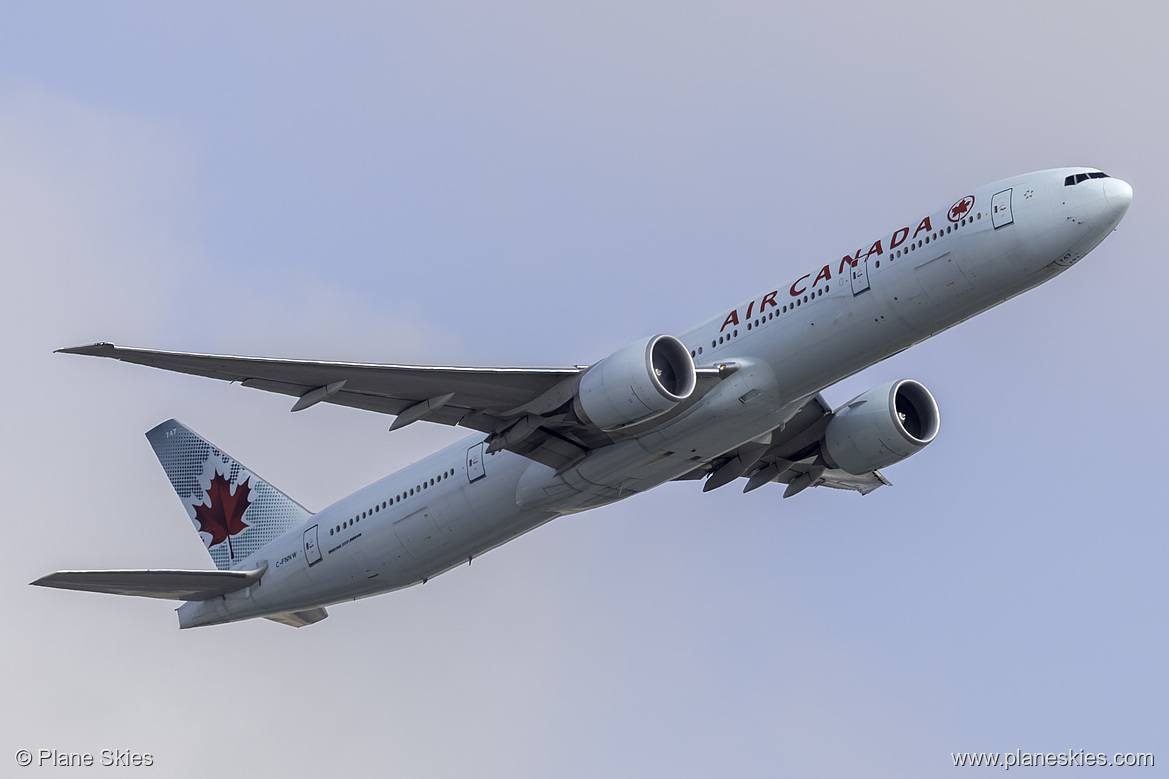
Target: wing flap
[[864, 484], [151, 583]]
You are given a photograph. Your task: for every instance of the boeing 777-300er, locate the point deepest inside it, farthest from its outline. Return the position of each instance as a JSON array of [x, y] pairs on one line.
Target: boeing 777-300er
[[736, 397]]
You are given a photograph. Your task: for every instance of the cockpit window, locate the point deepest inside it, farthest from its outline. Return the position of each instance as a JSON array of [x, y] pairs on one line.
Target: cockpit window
[[1077, 178]]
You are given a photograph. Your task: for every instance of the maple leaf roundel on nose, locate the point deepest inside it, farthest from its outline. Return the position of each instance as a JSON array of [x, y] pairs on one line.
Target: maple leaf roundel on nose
[[223, 516], [960, 209]]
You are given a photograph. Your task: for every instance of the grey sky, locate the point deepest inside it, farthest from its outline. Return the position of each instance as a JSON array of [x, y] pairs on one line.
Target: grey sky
[[542, 184]]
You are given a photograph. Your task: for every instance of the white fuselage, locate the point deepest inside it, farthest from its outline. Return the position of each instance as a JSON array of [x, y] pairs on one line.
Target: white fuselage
[[790, 343]]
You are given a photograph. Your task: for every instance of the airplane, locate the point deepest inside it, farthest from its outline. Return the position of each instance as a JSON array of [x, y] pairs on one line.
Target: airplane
[[738, 397]]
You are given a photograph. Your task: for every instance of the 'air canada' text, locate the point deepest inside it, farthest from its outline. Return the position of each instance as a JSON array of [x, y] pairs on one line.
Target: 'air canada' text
[[800, 285]]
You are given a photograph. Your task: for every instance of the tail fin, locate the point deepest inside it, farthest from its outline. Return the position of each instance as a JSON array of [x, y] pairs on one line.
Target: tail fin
[[234, 511]]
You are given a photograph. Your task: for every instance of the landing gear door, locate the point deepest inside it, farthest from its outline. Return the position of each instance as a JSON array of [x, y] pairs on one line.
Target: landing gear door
[[860, 276], [475, 462], [1000, 209], [312, 551]]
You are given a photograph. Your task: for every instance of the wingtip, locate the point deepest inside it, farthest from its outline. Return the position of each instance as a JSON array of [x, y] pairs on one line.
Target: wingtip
[[99, 349]]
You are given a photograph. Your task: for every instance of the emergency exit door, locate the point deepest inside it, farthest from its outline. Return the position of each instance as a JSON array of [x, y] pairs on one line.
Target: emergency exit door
[[475, 469], [312, 549], [1000, 209], [860, 276]]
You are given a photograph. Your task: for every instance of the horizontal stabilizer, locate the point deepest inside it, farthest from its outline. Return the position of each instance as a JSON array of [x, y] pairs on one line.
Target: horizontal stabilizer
[[146, 583], [300, 619]]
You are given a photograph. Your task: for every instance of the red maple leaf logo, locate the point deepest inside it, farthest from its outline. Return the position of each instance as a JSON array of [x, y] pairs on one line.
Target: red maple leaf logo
[[959, 209], [222, 518]]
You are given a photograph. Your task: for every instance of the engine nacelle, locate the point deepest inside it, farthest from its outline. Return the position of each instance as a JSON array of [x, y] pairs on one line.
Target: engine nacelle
[[881, 427], [645, 379]]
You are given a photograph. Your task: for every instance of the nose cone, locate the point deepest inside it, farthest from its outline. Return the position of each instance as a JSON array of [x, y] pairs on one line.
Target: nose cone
[[1118, 194]]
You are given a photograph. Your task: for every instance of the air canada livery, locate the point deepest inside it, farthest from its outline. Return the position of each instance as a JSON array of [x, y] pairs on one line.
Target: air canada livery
[[736, 397]]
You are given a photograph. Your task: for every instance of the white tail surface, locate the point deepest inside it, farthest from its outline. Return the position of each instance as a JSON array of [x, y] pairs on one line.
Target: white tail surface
[[234, 511]]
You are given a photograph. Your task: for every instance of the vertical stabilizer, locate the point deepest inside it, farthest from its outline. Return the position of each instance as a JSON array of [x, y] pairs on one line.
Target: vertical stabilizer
[[234, 511]]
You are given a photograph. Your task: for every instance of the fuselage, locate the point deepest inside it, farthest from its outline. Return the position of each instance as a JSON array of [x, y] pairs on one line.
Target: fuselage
[[836, 318]]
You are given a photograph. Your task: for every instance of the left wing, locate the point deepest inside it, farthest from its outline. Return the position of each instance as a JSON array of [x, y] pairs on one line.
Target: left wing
[[525, 410], [789, 455]]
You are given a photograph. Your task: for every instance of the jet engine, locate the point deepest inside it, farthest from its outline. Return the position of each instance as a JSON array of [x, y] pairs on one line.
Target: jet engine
[[645, 379], [881, 427]]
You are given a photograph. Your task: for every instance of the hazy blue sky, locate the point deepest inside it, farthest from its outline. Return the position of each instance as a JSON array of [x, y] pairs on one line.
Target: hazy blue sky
[[541, 184]]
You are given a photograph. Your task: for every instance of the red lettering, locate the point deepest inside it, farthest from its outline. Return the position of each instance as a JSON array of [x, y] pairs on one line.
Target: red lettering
[[894, 242], [875, 249], [825, 274], [768, 298], [925, 225], [797, 292], [749, 309], [732, 319], [850, 262]]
